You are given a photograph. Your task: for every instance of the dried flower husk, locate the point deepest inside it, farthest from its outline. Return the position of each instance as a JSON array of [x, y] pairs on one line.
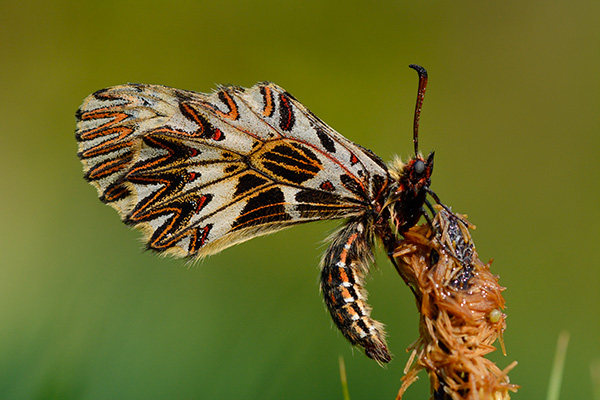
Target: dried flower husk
[[460, 304]]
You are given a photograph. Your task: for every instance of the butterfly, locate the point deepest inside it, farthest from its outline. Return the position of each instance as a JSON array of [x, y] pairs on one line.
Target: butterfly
[[198, 173]]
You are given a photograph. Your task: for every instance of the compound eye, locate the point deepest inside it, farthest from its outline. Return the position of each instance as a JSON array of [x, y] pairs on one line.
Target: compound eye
[[419, 167]]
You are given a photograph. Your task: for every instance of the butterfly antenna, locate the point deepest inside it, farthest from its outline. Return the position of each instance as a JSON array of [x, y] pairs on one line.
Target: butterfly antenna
[[420, 96]]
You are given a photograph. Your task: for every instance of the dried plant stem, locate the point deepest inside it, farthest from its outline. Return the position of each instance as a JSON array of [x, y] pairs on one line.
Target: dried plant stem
[[460, 304]]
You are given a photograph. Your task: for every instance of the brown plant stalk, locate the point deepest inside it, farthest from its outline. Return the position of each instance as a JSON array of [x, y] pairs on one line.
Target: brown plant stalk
[[460, 305]]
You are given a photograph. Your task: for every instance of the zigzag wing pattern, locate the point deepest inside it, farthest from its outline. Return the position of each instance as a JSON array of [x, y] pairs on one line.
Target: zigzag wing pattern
[[198, 173]]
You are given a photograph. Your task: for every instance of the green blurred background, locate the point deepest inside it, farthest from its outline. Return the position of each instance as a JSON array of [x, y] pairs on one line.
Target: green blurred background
[[511, 111]]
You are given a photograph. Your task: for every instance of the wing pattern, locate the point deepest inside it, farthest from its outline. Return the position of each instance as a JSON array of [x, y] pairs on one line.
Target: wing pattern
[[200, 172]]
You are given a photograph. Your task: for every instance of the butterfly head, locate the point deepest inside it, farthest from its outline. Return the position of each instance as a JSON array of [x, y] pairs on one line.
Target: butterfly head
[[416, 174]]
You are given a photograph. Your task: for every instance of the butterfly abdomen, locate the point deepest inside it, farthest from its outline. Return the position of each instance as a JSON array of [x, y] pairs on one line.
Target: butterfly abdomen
[[344, 267]]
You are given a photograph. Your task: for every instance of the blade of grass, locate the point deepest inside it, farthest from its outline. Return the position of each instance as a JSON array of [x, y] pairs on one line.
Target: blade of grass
[[558, 366], [343, 378], [595, 372]]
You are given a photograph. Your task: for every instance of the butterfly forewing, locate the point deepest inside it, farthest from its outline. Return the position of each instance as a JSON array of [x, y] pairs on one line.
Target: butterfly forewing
[[199, 173]]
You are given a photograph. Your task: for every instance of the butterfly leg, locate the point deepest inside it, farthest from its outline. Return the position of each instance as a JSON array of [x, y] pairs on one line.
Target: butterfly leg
[[343, 270], [390, 243]]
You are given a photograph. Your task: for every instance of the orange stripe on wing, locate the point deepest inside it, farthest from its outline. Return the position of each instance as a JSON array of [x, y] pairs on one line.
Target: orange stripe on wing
[[104, 128], [268, 95], [233, 113], [108, 167]]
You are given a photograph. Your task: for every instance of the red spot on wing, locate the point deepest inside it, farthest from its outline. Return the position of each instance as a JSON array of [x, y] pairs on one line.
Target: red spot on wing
[[218, 135], [327, 185], [200, 203]]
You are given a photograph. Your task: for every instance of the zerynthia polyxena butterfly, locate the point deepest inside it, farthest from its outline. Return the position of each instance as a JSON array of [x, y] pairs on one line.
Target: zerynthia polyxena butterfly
[[198, 173]]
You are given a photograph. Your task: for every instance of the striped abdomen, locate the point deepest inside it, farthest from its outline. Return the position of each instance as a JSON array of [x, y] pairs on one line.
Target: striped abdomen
[[344, 267]]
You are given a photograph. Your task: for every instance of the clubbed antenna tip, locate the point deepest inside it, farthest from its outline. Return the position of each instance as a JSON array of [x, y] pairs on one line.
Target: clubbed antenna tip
[[420, 96]]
